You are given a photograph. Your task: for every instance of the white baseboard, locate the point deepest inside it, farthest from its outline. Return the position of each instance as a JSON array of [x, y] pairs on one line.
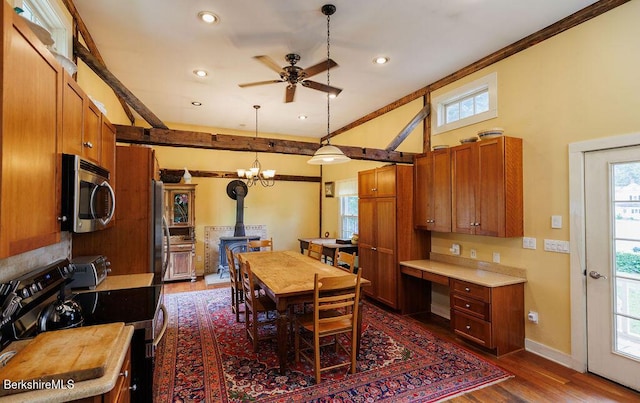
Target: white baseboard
[[554, 355], [441, 310]]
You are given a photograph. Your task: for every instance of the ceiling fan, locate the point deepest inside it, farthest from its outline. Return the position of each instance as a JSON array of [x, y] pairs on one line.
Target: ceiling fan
[[294, 75]]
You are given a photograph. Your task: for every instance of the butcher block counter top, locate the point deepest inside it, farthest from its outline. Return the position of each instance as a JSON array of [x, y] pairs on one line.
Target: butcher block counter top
[[482, 277], [91, 387], [121, 282]]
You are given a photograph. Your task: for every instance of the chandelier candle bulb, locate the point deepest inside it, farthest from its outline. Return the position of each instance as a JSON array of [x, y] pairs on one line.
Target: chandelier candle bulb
[[255, 174]]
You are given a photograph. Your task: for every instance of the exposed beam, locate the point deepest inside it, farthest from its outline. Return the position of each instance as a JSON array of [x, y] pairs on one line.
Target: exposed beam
[[183, 138], [564, 24], [234, 175], [420, 116], [93, 48], [119, 88]]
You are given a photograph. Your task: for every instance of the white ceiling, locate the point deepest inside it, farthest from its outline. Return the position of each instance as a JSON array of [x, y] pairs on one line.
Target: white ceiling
[[153, 46]]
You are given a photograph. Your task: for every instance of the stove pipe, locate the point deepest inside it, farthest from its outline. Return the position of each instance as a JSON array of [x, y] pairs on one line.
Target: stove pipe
[[237, 190]]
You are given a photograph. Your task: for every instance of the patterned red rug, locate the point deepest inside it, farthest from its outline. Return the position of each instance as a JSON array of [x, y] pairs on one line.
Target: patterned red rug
[[205, 357]]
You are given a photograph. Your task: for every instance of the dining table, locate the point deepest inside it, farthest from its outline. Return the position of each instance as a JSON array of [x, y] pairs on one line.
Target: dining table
[[287, 277]]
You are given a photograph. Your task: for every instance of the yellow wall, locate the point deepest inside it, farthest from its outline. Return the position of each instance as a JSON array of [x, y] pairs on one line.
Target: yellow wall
[[582, 84]]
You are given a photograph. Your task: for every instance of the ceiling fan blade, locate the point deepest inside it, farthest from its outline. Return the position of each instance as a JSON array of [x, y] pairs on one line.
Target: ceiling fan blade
[[260, 83], [319, 68], [290, 93], [267, 61], [322, 87]]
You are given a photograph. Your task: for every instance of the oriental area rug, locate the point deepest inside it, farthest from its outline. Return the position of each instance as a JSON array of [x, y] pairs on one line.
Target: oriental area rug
[[205, 356]]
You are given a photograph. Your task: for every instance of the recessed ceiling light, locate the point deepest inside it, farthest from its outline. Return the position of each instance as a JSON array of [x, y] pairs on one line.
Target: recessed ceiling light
[[381, 60], [200, 73], [196, 103], [208, 17], [302, 117], [332, 95]]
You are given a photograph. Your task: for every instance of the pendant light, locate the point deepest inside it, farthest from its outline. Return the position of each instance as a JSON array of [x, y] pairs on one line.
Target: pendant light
[[328, 154], [255, 174]]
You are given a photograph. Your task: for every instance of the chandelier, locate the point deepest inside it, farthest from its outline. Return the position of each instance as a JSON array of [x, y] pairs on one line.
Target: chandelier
[[256, 174], [328, 154]]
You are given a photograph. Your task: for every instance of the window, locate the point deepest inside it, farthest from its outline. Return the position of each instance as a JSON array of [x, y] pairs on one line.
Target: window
[[471, 103], [347, 193], [49, 15]]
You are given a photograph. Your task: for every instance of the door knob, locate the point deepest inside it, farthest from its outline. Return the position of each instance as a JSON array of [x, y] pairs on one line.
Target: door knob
[[596, 275]]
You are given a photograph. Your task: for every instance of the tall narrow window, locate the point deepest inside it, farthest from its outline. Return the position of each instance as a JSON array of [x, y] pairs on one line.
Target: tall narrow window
[[347, 193]]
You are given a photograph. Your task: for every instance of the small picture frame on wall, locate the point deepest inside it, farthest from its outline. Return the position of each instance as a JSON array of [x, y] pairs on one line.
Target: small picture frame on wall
[[329, 189]]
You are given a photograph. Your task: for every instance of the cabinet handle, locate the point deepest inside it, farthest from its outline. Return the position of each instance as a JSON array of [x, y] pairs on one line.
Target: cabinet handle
[[477, 224], [125, 373], [133, 387], [374, 189], [62, 219], [468, 327], [467, 289], [372, 248], [88, 144], [472, 224], [467, 306]]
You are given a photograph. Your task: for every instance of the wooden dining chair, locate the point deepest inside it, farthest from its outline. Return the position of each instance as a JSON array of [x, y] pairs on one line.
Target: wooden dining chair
[[237, 298], [314, 250], [345, 261], [260, 244], [335, 312], [255, 304]]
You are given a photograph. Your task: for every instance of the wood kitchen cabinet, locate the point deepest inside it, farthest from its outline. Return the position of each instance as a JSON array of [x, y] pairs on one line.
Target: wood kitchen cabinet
[[30, 110], [487, 187], [81, 123], [492, 317], [386, 233], [182, 262], [432, 173], [121, 392], [179, 210]]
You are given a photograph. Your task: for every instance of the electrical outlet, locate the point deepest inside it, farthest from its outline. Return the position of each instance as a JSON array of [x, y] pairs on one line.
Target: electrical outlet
[[455, 249], [533, 316], [473, 253], [496, 257]]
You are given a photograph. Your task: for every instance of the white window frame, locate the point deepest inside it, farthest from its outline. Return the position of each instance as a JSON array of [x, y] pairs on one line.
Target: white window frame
[[438, 119], [345, 188], [50, 12]]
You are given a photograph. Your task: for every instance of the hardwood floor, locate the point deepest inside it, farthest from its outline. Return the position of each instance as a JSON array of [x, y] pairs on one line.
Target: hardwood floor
[[535, 379]]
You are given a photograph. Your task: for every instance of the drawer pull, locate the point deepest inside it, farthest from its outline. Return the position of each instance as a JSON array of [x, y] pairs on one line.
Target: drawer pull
[[468, 327], [467, 289], [87, 144], [467, 306], [125, 373]]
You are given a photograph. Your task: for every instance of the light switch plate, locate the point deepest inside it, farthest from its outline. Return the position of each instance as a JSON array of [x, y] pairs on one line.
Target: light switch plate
[[496, 257], [556, 221], [528, 243]]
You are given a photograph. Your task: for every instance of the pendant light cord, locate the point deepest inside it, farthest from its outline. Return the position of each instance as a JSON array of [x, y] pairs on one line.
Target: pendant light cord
[[328, 77]]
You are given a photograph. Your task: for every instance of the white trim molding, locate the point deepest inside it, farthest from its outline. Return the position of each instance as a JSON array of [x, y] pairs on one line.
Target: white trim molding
[[577, 259]]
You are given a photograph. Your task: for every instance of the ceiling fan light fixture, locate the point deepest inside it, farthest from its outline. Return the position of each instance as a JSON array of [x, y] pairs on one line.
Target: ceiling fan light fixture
[[208, 17]]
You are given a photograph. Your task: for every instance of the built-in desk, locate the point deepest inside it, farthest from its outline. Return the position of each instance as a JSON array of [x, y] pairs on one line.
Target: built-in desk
[[487, 307]]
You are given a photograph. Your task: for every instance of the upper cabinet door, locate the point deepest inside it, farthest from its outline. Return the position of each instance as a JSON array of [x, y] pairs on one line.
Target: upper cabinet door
[[72, 116], [367, 183], [92, 134], [31, 93], [487, 188], [464, 172], [439, 201], [386, 181], [422, 189]]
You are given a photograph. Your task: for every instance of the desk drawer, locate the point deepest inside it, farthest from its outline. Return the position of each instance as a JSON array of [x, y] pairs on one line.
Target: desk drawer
[[471, 307], [410, 271], [474, 329], [471, 290]]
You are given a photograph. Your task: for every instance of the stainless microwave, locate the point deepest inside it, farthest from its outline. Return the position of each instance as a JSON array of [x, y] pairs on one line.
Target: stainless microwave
[[88, 201]]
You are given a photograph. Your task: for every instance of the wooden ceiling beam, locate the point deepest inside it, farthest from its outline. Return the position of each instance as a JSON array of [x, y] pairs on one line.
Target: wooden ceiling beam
[[234, 175], [420, 116], [93, 48], [577, 18], [115, 84], [183, 138]]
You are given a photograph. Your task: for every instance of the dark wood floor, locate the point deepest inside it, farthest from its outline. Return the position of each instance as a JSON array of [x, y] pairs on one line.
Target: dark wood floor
[[536, 379]]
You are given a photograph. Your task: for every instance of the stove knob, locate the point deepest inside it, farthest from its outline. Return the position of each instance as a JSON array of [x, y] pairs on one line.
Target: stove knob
[[25, 292], [34, 288]]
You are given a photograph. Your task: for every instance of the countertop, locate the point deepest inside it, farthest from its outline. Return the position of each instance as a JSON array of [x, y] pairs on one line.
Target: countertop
[[477, 276], [88, 388]]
